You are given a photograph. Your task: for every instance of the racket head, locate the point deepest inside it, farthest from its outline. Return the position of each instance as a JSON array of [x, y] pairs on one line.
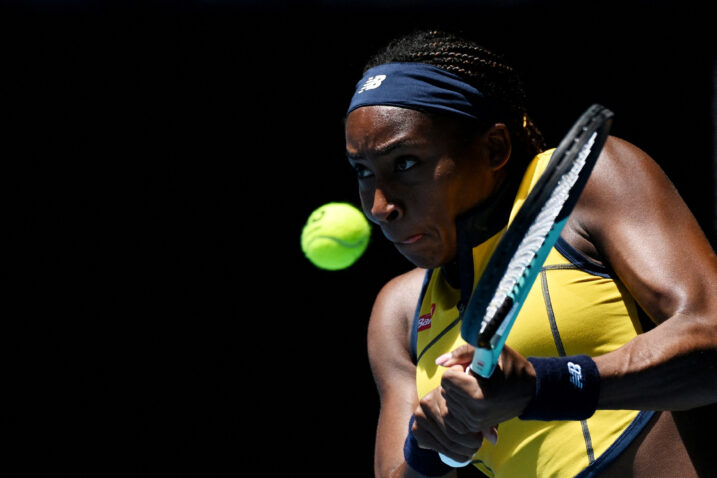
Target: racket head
[[593, 125]]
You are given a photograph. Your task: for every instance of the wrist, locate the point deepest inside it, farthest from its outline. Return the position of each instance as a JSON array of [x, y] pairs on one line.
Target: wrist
[[566, 388]]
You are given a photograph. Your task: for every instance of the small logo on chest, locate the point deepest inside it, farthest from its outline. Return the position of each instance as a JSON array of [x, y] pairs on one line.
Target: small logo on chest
[[424, 321]]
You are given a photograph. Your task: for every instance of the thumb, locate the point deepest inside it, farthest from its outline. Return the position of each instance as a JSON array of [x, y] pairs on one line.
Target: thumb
[[491, 434], [463, 356]]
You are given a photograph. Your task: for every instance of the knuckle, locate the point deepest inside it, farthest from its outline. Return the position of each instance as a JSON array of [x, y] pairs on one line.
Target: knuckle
[[424, 404], [447, 376], [464, 350]]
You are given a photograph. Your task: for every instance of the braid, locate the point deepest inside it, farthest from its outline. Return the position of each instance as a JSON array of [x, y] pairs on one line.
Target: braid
[[477, 66]]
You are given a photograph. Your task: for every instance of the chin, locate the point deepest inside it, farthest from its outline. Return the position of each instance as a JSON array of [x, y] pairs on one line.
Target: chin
[[430, 252], [424, 261]]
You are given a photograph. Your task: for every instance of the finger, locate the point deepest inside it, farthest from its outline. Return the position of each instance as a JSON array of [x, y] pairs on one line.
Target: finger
[[459, 386], [456, 380], [431, 407], [431, 431], [458, 428], [462, 454], [491, 434], [458, 447], [428, 433], [463, 419], [464, 401], [428, 417], [463, 355], [455, 424]]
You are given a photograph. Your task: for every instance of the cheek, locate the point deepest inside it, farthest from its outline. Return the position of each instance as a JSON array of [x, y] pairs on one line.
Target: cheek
[[366, 197], [474, 187], [445, 200], [455, 186], [450, 245], [439, 211]]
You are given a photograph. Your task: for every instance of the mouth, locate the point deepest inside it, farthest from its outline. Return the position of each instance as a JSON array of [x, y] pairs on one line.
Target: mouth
[[411, 239]]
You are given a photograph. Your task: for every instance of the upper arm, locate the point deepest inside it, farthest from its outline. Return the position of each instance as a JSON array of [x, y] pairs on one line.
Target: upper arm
[[636, 222], [389, 349], [639, 224]]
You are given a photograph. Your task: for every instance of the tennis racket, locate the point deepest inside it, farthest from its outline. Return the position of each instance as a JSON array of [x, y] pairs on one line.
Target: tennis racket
[[519, 256]]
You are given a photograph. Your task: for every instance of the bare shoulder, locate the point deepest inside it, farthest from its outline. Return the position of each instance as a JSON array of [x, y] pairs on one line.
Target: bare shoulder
[[627, 187], [632, 218], [389, 331], [627, 179], [623, 167], [401, 291], [628, 193], [623, 170], [396, 303]]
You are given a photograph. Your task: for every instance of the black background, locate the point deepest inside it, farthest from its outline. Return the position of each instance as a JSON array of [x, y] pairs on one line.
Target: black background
[[161, 160]]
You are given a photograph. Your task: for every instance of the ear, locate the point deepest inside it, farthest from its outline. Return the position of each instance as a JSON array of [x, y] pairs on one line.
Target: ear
[[497, 140]]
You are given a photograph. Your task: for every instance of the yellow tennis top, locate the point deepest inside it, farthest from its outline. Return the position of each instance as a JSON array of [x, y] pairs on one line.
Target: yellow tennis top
[[574, 307]]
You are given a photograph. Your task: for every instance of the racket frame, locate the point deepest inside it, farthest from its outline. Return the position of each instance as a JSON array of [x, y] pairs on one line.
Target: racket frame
[[489, 338]]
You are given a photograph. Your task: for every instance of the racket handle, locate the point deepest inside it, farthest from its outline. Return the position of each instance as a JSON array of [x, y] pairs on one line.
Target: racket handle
[[452, 462], [484, 361]]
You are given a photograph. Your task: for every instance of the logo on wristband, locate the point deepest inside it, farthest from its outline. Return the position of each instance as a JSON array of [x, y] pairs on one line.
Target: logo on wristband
[[576, 374]]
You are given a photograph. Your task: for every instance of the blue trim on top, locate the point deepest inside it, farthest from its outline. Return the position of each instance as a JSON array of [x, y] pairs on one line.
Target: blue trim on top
[[580, 261], [416, 314], [623, 441]]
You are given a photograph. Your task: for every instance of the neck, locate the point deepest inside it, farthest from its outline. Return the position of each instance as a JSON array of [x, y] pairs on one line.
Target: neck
[[476, 226]]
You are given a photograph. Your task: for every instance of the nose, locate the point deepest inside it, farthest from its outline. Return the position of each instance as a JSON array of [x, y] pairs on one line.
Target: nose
[[385, 209]]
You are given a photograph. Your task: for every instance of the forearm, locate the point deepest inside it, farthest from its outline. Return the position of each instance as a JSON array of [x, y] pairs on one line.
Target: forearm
[[390, 461], [672, 367], [404, 471]]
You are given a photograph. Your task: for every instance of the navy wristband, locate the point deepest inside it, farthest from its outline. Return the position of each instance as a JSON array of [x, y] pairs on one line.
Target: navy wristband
[[421, 460], [566, 388]]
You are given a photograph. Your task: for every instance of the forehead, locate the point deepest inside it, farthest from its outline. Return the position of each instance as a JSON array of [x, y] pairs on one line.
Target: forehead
[[374, 127]]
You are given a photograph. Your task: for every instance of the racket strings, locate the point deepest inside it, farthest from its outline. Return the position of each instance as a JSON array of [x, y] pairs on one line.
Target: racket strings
[[535, 236]]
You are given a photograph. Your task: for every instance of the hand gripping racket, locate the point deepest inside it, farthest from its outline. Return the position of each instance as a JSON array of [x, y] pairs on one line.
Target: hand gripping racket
[[519, 256]]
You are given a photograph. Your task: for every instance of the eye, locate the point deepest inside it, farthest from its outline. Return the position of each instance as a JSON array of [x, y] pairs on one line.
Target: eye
[[405, 163], [361, 171]]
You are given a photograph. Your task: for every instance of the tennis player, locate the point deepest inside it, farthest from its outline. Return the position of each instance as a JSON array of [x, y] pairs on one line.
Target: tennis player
[[611, 367]]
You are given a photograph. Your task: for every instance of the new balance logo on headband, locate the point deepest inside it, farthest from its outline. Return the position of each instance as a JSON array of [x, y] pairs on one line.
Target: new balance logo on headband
[[372, 83], [576, 374], [422, 87]]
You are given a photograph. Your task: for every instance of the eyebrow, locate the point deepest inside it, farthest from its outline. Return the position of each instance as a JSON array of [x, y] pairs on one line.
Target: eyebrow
[[384, 150]]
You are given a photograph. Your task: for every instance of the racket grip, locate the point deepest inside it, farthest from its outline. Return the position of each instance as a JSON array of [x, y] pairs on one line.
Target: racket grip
[[484, 361], [452, 462]]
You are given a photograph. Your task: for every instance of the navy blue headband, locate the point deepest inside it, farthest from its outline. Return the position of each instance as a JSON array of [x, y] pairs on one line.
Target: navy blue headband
[[420, 86]]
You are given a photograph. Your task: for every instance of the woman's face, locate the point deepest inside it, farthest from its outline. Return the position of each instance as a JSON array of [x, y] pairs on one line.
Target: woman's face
[[416, 175]]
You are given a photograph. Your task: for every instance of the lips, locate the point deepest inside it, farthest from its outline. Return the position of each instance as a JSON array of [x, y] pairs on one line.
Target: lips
[[411, 239]]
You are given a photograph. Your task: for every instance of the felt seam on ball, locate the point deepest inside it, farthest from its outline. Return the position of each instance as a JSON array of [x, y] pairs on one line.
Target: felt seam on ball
[[350, 245]]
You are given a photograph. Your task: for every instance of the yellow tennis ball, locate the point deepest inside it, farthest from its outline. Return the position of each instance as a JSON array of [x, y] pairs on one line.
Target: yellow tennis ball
[[335, 236]]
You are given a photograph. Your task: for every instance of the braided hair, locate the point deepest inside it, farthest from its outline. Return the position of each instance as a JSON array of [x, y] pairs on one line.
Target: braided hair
[[479, 67]]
